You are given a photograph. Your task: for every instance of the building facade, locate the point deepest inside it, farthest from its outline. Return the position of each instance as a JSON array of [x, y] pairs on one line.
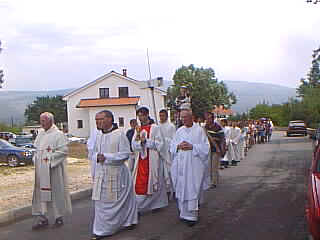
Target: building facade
[[112, 91]]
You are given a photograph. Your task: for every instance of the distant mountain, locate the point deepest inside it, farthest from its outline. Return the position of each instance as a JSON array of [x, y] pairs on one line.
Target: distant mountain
[[250, 94], [14, 103]]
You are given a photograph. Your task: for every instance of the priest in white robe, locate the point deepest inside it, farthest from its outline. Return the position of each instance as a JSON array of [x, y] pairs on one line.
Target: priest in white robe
[[112, 191], [189, 149], [90, 146], [148, 173], [168, 131], [225, 161], [234, 144], [51, 184]]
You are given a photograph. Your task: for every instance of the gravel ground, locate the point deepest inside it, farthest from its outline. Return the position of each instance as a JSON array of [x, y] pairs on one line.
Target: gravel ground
[[16, 184]]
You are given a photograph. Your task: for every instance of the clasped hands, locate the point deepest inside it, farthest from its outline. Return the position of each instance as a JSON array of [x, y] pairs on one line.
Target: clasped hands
[[185, 146], [100, 158]]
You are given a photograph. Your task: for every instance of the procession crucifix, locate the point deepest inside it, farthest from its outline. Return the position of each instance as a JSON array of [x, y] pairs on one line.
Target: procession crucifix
[[183, 100]]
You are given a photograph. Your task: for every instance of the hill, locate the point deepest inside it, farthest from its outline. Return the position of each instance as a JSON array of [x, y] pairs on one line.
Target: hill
[[14, 103], [250, 94]]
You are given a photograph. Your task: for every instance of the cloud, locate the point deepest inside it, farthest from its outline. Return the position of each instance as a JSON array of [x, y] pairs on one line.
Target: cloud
[[64, 44]]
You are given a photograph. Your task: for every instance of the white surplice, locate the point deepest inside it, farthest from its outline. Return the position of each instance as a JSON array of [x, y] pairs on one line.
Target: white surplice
[[168, 131], [227, 134], [90, 145], [188, 169], [51, 182], [156, 192], [235, 135], [115, 202]]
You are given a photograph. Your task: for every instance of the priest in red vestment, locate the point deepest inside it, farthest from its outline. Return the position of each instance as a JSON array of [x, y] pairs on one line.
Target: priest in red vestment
[[149, 183]]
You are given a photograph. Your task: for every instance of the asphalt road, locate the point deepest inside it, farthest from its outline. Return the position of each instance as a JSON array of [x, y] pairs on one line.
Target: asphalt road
[[262, 198]]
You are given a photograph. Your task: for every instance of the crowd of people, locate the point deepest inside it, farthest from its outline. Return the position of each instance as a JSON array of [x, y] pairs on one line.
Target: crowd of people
[[143, 169]]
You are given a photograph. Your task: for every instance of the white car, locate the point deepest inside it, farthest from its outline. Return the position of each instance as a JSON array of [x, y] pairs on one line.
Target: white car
[[72, 138]]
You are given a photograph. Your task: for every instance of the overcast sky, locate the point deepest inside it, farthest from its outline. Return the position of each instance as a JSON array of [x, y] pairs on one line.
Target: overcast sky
[[66, 44]]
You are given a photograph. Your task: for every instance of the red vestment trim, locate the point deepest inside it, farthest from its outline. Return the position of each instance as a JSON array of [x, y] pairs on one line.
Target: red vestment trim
[[141, 187]]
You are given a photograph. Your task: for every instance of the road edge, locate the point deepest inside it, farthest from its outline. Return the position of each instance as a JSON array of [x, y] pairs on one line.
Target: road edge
[[18, 214]]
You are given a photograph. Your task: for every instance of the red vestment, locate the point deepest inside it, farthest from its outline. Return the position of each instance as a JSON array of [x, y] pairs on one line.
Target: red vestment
[[143, 169]]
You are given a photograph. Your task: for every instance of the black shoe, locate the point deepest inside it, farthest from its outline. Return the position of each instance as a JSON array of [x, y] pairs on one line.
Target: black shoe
[[131, 227], [97, 237], [58, 223], [234, 163], [41, 223], [190, 223]]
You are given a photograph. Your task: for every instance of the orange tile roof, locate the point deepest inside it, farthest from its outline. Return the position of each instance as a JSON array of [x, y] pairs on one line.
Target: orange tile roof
[[102, 102], [223, 111]]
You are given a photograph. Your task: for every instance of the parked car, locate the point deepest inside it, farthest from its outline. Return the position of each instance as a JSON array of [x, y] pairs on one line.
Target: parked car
[[14, 156], [7, 136], [72, 138], [297, 127], [23, 141], [313, 196]]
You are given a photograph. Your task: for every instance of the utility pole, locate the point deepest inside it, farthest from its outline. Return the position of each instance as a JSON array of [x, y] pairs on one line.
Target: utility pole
[[1, 71], [151, 85]]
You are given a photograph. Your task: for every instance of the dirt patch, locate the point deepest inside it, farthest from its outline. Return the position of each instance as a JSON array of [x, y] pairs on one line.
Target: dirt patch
[[16, 185], [78, 150]]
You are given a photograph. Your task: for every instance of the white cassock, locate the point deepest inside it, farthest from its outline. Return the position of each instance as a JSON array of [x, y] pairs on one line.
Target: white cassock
[[90, 145], [115, 202], [235, 135], [243, 142], [227, 133], [168, 131], [51, 183], [156, 195], [188, 169]]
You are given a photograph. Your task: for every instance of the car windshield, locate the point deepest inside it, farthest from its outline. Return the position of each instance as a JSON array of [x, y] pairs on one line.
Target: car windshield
[[296, 124], [23, 140]]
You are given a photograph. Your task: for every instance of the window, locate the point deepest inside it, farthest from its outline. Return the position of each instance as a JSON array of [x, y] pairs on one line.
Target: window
[[104, 92], [123, 92], [121, 122], [80, 124]]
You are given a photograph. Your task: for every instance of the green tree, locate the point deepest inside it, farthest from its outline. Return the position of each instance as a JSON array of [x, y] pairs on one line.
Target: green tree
[[54, 105], [313, 76], [205, 89], [259, 111]]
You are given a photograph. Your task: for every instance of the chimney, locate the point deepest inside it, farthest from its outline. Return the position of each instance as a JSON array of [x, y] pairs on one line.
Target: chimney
[[124, 72]]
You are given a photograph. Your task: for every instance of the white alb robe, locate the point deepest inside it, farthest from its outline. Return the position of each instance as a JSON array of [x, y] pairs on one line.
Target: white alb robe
[[90, 146], [51, 182], [168, 131], [227, 133], [156, 193], [243, 142], [115, 202], [188, 169], [235, 135]]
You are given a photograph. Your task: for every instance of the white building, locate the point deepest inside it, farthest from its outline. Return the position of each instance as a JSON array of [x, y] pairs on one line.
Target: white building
[[115, 92]]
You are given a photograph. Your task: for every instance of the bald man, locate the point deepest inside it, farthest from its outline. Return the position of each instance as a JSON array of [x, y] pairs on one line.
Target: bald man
[[50, 187]]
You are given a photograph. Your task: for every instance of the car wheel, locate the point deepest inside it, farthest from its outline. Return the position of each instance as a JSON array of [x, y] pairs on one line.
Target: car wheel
[[13, 161]]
